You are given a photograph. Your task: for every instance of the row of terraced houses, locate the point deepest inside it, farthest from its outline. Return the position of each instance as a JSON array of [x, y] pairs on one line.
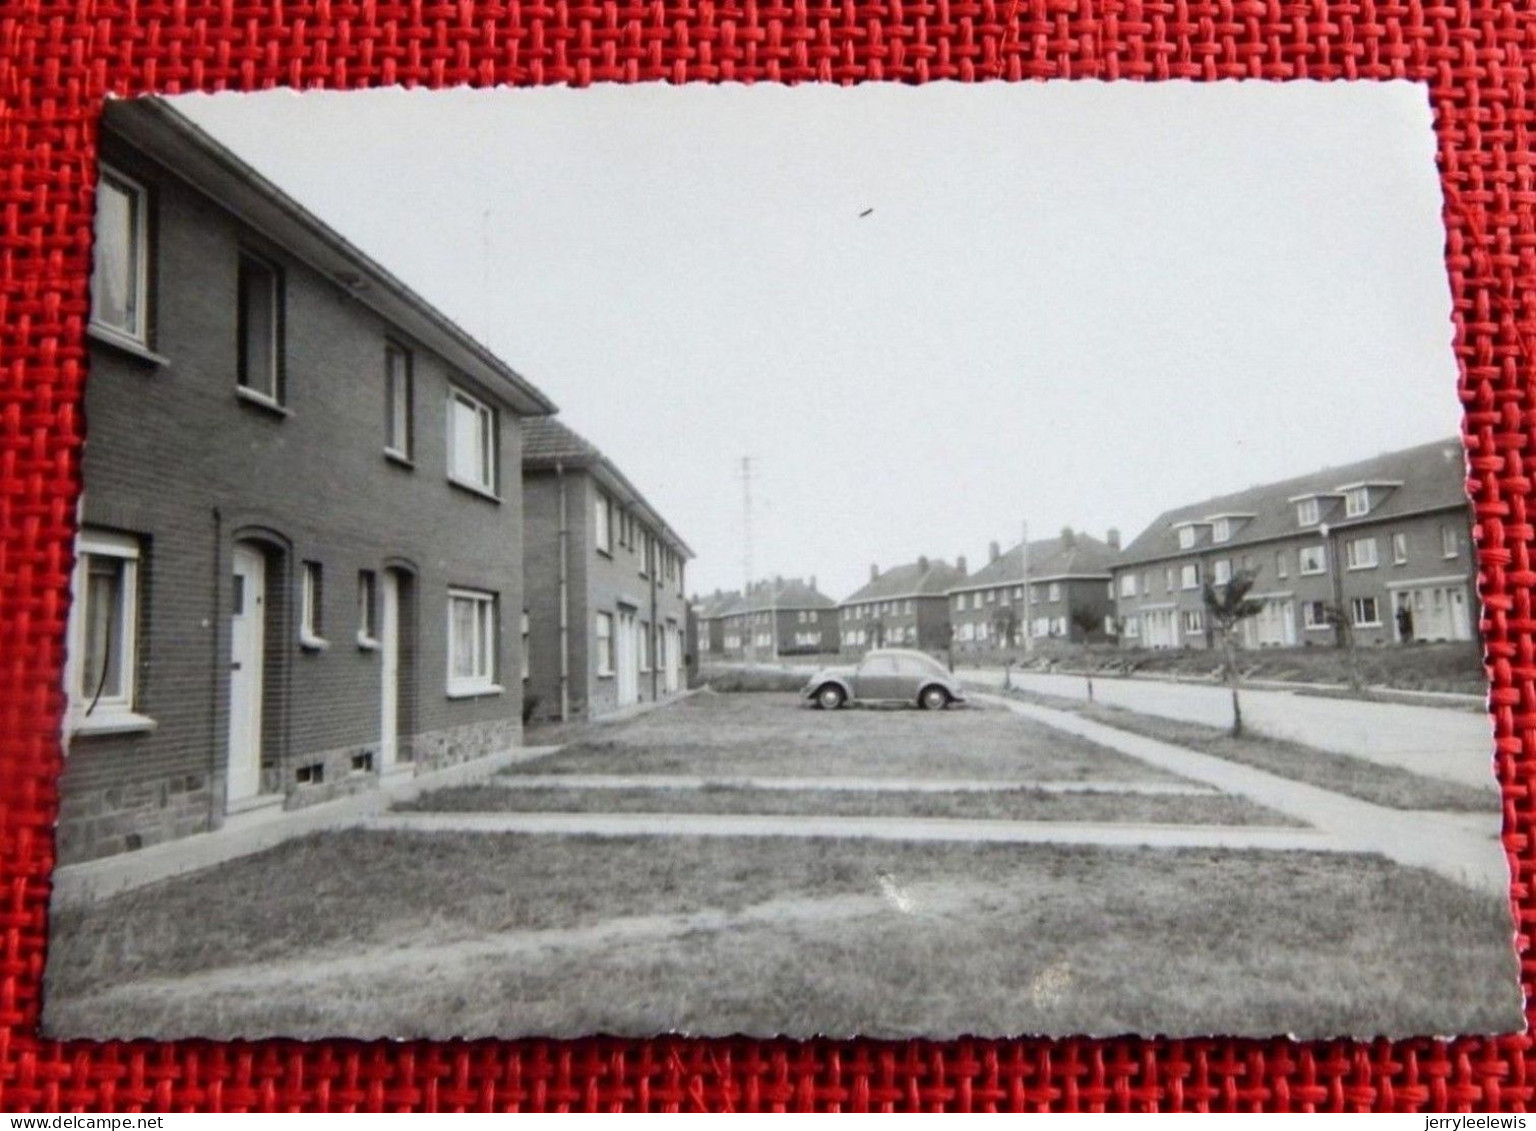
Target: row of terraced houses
[[1379, 549], [325, 537]]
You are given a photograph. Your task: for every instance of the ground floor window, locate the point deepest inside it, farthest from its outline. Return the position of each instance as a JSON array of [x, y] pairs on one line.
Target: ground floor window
[[527, 646], [104, 629], [1365, 612], [1194, 620], [645, 646], [1314, 614], [605, 643], [471, 641]]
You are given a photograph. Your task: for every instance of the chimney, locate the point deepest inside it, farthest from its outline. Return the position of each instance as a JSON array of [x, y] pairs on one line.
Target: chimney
[[922, 565], [813, 582], [778, 581], [874, 571], [1068, 539], [1112, 536], [960, 564], [993, 553]]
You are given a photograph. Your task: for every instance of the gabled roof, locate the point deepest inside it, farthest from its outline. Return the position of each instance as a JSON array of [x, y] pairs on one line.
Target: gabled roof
[[1430, 477], [1049, 558], [786, 593], [155, 128], [548, 443], [922, 578], [713, 606]]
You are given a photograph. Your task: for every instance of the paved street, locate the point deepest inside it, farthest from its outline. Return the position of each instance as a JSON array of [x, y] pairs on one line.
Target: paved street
[[1439, 742]]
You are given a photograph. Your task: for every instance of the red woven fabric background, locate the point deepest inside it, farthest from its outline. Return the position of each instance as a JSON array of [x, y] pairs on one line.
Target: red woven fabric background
[[58, 60]]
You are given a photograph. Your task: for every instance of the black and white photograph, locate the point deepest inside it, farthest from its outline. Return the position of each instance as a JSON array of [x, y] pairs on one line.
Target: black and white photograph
[[889, 561]]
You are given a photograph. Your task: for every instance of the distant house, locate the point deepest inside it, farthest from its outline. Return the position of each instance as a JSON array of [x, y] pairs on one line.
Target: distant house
[[778, 617], [906, 606], [1384, 541], [709, 612], [1069, 593], [605, 619]]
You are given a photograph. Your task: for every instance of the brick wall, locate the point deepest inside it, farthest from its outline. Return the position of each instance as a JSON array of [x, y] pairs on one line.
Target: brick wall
[[174, 457]]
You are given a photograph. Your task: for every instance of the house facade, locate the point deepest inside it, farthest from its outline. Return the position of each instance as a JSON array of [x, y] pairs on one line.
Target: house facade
[[1382, 544], [710, 613], [606, 619], [778, 617], [300, 534], [906, 606], [1068, 597]]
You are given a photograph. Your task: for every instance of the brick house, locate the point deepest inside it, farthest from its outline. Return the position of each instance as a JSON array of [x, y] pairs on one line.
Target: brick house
[[1387, 540], [300, 533], [710, 613], [906, 606], [606, 619], [778, 617], [1069, 595]]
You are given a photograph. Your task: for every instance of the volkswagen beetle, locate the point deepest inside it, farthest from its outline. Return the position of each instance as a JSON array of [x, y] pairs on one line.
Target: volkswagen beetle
[[886, 675]]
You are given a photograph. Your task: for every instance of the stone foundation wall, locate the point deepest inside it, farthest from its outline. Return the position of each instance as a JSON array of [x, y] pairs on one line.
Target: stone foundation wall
[[452, 745], [106, 821]]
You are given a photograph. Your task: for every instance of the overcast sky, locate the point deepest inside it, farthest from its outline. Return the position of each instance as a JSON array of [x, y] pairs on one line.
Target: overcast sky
[[1071, 303]]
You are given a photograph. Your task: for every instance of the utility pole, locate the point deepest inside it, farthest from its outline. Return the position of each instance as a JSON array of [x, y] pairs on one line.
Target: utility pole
[[1028, 627], [746, 554]]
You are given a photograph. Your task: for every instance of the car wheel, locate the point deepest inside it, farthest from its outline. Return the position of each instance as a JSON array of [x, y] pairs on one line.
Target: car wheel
[[830, 697], [933, 698]]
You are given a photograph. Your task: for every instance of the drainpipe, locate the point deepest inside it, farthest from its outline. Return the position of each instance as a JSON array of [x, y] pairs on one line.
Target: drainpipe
[[656, 634], [565, 598]]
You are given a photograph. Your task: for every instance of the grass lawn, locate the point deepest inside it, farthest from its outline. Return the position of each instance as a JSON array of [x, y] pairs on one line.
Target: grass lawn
[[1380, 784], [372, 934], [739, 735], [1011, 804]]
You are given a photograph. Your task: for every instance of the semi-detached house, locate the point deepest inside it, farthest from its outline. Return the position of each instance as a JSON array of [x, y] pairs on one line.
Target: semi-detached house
[[299, 559]]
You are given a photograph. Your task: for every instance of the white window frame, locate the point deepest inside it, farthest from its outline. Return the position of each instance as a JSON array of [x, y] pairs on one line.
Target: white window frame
[[1053, 591], [1307, 512], [1360, 553], [110, 714], [138, 333], [367, 610], [1400, 548], [1133, 628], [1355, 606], [399, 402], [277, 396], [602, 514], [604, 641], [1450, 542], [1302, 554], [483, 680], [1282, 570], [1189, 575], [1357, 502], [647, 641], [1193, 622], [1307, 621], [1221, 530], [311, 598], [1221, 571], [1186, 537], [486, 433], [1128, 585]]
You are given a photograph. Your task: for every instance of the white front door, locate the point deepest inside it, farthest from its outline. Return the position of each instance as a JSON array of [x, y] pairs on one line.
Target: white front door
[[246, 652], [629, 660], [389, 670], [1461, 623]]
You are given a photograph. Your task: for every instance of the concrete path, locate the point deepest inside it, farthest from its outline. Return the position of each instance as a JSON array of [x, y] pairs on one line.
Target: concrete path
[[841, 785], [255, 832], [1451, 744], [1461, 846], [929, 829]]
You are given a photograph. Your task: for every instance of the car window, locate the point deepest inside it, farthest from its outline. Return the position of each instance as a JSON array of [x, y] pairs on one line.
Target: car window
[[914, 666], [878, 665]]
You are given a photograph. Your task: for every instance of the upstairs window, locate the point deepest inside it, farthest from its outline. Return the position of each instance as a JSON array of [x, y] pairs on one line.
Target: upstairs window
[[1361, 553], [471, 443], [1221, 530], [1221, 571], [1282, 566], [260, 329], [1306, 512], [1450, 541], [1190, 575], [1357, 502], [1400, 549], [603, 512], [1313, 559], [1128, 585], [397, 402], [1054, 591], [1186, 537], [120, 273]]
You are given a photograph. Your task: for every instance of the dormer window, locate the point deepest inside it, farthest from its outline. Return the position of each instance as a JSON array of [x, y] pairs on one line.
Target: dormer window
[[1306, 512], [1357, 502], [1186, 537], [1221, 530]]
